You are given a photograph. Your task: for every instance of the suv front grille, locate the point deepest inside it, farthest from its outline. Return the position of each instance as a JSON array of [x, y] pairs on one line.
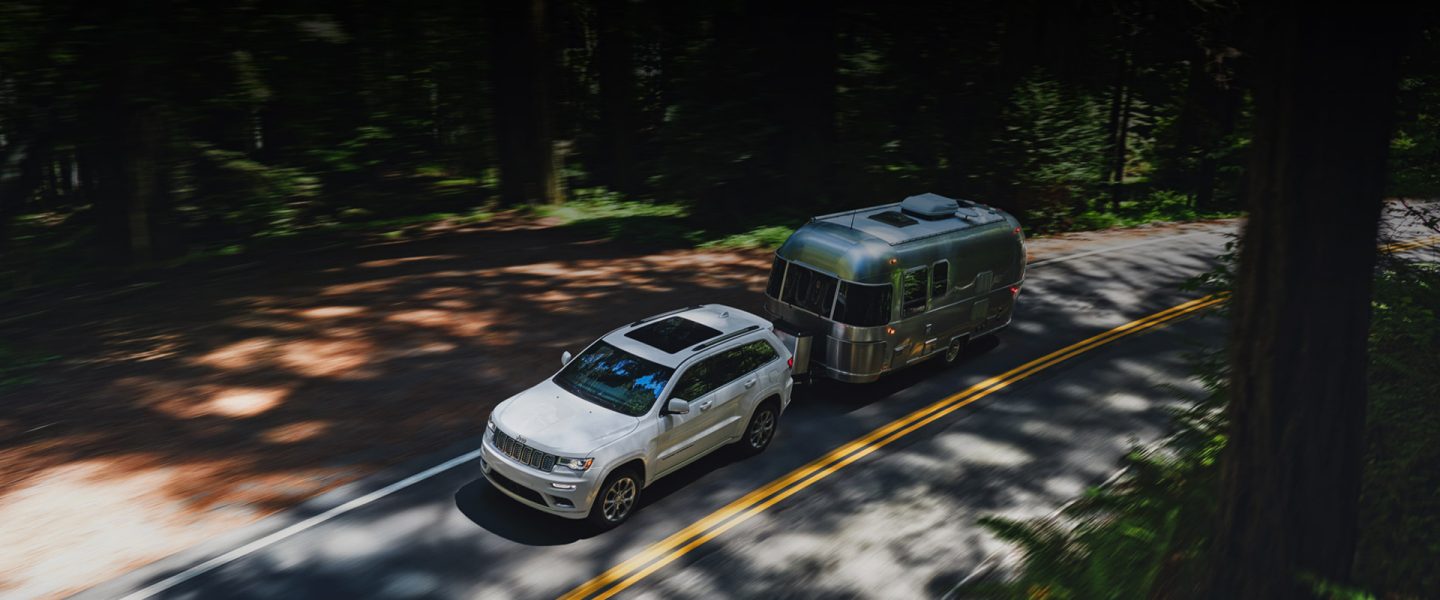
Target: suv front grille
[[513, 448]]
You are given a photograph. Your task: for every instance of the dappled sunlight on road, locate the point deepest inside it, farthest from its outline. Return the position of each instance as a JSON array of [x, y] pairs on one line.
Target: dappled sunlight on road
[[291, 433], [391, 262], [240, 402], [244, 354], [330, 312], [226, 400], [216, 402], [327, 357]]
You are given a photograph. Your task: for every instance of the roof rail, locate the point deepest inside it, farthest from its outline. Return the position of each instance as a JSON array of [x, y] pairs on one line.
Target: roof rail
[[666, 314], [846, 213], [729, 336]]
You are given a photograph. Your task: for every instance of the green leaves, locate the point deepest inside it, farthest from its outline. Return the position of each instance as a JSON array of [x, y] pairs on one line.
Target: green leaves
[[1142, 535]]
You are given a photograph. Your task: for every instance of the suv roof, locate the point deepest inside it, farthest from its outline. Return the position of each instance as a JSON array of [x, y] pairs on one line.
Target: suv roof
[[673, 334], [670, 338]]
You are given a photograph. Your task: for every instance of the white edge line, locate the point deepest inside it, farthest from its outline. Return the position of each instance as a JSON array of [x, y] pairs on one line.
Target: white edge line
[[298, 528], [1114, 248], [310, 523], [992, 561]]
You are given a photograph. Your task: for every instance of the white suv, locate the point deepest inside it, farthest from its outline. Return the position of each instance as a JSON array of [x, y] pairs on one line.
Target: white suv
[[586, 441]]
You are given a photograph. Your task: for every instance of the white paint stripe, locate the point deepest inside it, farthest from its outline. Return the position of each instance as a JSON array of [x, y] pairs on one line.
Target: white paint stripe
[[298, 528], [302, 526], [1114, 248], [994, 559]]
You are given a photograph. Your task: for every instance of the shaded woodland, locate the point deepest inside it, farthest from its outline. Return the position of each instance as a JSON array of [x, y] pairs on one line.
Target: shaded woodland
[[133, 136], [129, 136]]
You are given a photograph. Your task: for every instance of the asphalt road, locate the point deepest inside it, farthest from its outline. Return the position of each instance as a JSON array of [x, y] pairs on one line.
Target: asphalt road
[[897, 523]]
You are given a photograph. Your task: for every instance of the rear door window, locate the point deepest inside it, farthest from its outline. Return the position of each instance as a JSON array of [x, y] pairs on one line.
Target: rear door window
[[912, 291], [752, 356], [701, 378]]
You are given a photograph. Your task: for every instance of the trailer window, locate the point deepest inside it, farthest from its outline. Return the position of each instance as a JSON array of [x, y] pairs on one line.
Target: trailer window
[[863, 305], [809, 290], [777, 275], [912, 291], [939, 279]]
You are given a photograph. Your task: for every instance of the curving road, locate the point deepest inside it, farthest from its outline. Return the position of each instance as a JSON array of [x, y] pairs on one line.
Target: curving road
[[896, 521]]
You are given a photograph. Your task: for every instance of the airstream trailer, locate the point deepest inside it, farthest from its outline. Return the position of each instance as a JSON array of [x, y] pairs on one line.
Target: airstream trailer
[[860, 293]]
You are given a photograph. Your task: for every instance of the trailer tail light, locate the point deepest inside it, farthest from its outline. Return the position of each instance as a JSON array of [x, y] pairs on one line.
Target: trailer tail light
[[1014, 291], [1017, 231]]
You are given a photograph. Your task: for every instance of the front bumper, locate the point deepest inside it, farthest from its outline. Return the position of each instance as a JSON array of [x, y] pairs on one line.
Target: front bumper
[[535, 488]]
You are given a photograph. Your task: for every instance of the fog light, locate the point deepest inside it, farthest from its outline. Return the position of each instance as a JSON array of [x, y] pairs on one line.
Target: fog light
[[562, 486]]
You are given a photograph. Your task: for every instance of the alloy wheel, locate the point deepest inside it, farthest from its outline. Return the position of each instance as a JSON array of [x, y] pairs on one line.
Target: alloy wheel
[[762, 428], [619, 499]]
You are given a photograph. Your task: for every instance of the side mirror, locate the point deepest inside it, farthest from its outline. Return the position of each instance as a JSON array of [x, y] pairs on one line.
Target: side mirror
[[677, 406], [565, 358]]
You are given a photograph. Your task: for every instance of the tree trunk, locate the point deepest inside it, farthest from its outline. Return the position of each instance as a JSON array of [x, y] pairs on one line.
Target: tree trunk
[[1291, 473], [521, 71], [806, 82], [1120, 101], [614, 53], [1227, 108], [1122, 150], [52, 178], [67, 175], [147, 182]]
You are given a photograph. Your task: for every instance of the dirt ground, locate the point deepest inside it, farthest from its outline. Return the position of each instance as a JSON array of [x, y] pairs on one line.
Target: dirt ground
[[185, 408]]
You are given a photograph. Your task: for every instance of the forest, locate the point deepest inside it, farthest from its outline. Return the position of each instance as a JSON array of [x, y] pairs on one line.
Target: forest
[[130, 137], [136, 138]]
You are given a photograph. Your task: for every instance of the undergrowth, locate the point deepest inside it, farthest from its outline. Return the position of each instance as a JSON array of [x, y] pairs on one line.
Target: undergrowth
[[1143, 534]]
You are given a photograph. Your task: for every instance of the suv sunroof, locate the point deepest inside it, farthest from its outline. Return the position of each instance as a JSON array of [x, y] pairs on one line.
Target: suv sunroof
[[673, 334]]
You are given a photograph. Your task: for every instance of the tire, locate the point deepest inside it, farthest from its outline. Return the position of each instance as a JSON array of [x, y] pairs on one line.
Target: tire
[[761, 429], [952, 353], [617, 499]]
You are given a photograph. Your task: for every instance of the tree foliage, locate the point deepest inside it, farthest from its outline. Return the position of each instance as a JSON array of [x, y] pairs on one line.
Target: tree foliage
[[130, 136]]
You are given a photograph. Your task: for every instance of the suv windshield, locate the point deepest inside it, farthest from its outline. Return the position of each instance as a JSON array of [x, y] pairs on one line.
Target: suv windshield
[[614, 379]]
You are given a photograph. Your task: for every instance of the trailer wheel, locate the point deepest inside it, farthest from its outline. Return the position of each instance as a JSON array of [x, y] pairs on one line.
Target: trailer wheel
[[953, 351]]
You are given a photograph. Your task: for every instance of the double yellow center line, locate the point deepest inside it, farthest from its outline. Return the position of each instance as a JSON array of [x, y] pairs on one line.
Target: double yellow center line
[[664, 552]]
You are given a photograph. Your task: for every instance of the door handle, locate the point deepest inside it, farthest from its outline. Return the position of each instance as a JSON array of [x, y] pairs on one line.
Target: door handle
[[704, 406], [750, 383], [928, 326]]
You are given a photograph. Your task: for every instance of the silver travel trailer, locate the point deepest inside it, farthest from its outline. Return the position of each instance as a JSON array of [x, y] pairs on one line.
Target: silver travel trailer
[[860, 293]]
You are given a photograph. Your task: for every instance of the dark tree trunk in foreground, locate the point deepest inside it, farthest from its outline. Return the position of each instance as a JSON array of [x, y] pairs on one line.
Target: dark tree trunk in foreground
[[615, 55], [1290, 478], [521, 67]]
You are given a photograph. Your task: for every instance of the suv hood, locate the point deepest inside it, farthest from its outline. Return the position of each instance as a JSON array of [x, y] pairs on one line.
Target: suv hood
[[554, 420]]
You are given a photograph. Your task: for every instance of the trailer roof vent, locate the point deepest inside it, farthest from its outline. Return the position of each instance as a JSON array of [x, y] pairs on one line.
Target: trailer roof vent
[[894, 218], [931, 207]]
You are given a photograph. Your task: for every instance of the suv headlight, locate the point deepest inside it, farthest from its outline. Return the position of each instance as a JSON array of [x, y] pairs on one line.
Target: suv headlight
[[579, 465], [490, 425]]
